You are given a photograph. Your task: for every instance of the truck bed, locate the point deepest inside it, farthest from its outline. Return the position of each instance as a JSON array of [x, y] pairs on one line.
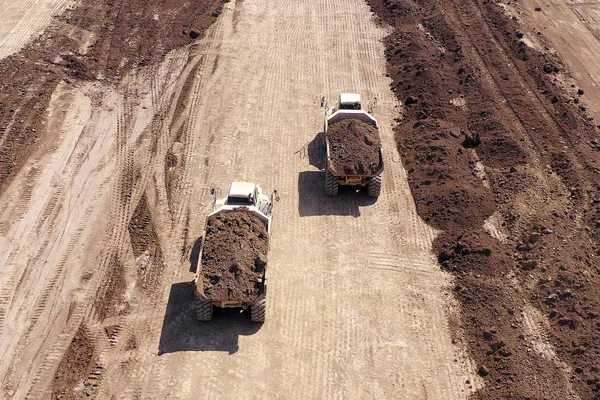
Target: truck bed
[[234, 256], [354, 147]]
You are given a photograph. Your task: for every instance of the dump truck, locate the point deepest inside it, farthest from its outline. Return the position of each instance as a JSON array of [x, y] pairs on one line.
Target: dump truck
[[232, 265], [353, 145]]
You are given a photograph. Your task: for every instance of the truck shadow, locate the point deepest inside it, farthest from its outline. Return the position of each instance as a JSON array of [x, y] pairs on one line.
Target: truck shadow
[[182, 332], [314, 202], [314, 151], [192, 254]]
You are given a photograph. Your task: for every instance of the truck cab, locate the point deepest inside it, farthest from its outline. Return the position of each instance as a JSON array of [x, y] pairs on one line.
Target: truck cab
[[349, 101], [245, 194], [349, 106]]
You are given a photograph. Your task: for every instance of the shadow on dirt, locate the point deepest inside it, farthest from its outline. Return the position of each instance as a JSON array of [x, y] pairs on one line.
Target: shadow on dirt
[[182, 332], [313, 201], [192, 254], [314, 151]]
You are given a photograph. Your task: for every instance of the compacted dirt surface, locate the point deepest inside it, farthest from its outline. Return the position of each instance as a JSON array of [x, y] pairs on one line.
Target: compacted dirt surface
[[234, 255], [354, 147], [473, 275]]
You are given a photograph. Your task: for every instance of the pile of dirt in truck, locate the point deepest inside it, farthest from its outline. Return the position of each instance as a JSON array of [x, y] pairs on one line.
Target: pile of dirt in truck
[[354, 147], [234, 255]]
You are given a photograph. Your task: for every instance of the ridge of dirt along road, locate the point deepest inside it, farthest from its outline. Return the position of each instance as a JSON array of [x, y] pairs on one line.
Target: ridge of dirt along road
[[502, 157], [104, 215]]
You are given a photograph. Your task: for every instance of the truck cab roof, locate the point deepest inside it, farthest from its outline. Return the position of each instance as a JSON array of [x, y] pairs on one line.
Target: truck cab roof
[[241, 189], [241, 194], [350, 101]]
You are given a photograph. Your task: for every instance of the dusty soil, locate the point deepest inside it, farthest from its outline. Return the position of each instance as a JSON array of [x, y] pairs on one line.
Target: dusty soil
[[96, 43], [504, 161], [354, 147], [95, 40], [234, 256], [498, 156]]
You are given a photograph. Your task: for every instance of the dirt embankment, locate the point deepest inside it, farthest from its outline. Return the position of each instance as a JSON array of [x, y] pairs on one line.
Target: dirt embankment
[[96, 40], [354, 147], [505, 163], [234, 255]]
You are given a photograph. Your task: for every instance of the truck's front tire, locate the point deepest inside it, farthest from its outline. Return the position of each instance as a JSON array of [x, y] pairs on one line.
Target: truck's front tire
[[204, 310], [374, 186], [331, 184], [258, 311]]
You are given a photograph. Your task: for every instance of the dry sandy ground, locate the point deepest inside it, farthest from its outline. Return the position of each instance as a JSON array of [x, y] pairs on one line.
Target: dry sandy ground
[[358, 306], [569, 28], [22, 20]]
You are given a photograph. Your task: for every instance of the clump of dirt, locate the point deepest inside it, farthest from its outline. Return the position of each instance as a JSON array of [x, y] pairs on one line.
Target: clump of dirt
[[76, 365], [486, 132], [141, 229], [234, 255], [110, 299], [144, 241], [354, 147]]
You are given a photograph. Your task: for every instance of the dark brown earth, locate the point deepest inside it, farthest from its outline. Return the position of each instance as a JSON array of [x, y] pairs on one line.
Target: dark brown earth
[[150, 30], [477, 99], [110, 299], [144, 242], [70, 381], [354, 147], [234, 255]]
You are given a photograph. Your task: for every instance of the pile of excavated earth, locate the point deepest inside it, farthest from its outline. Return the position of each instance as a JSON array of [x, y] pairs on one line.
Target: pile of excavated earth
[[354, 147], [234, 255], [504, 161]]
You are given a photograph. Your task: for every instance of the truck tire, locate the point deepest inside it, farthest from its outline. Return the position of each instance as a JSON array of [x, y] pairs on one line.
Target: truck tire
[[331, 184], [374, 186], [204, 310], [258, 311]]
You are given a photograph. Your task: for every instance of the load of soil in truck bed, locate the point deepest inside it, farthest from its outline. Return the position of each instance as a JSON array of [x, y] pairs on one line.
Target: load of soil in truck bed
[[354, 147], [234, 256]]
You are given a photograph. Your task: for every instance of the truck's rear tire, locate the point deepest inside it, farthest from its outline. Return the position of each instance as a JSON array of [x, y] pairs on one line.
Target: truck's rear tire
[[204, 310], [374, 186], [331, 184], [258, 311]]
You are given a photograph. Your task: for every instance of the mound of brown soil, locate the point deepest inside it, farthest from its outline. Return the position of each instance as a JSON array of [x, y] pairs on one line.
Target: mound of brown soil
[[234, 256], [476, 144], [354, 147], [75, 368]]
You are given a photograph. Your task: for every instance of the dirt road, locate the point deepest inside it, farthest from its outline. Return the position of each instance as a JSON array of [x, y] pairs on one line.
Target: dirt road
[[101, 223]]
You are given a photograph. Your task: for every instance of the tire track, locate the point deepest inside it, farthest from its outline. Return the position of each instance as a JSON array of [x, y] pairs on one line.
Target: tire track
[[31, 18]]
